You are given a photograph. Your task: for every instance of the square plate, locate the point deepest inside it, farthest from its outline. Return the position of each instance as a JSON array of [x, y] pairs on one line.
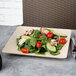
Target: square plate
[[11, 47]]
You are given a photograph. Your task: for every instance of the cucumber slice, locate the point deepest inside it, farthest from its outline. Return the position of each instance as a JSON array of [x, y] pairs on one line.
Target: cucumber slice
[[50, 48], [25, 37]]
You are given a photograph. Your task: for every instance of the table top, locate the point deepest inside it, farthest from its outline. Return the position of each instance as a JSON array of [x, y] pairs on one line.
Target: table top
[[15, 65]]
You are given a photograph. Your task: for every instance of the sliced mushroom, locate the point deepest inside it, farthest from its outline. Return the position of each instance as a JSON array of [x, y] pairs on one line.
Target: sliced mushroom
[[43, 31], [53, 42], [29, 32], [21, 41], [58, 38]]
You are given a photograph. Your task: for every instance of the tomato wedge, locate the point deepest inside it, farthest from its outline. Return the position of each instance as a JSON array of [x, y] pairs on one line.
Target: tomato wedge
[[62, 41], [49, 35], [25, 50], [38, 44]]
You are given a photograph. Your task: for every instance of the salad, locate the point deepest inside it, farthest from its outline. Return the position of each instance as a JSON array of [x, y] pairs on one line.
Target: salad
[[41, 41]]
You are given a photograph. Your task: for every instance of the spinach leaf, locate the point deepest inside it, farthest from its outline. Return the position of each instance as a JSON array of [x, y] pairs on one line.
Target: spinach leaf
[[49, 40], [36, 34], [17, 40], [56, 53], [28, 47], [63, 36], [19, 49], [21, 45], [59, 46], [37, 50], [33, 42], [49, 30], [41, 51], [43, 46], [27, 41], [43, 37], [45, 41], [32, 50], [55, 36]]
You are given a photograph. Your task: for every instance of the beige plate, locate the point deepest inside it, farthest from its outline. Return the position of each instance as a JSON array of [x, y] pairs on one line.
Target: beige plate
[[11, 47]]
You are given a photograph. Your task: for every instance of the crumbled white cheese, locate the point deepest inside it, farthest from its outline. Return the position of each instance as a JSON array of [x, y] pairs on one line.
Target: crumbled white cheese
[[21, 41]]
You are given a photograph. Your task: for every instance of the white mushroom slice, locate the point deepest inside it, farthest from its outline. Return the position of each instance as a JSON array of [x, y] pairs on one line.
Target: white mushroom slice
[[58, 38], [43, 30], [21, 41], [29, 32], [53, 42]]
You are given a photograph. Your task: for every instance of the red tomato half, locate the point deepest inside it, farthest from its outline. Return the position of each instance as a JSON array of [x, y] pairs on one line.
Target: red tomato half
[[38, 44], [49, 35], [24, 50], [62, 41]]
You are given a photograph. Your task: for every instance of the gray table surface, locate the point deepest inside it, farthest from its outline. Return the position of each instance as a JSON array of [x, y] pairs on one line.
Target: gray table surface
[[14, 65]]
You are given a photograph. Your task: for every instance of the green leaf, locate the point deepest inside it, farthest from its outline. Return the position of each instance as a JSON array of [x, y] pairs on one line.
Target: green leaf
[[38, 50], [27, 41], [56, 53], [49, 30], [59, 46], [19, 49], [21, 45], [17, 40], [43, 46], [63, 36], [41, 51], [49, 40], [28, 47], [43, 37], [32, 50], [33, 42], [55, 36], [36, 34]]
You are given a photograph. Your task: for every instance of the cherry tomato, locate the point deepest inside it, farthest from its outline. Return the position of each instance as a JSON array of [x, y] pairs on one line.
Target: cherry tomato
[[40, 36], [49, 35], [62, 41], [38, 44], [24, 34], [24, 50]]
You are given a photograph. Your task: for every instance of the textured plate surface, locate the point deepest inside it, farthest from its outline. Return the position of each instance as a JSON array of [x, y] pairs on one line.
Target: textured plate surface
[[11, 47]]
